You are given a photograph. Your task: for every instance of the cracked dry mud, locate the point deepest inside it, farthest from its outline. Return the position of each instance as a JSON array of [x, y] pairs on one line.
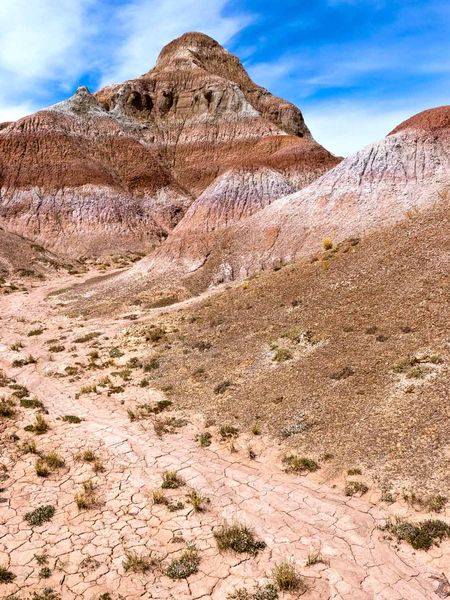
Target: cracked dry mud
[[86, 548]]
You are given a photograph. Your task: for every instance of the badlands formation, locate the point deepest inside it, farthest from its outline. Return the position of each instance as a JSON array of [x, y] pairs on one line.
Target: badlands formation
[[224, 355]]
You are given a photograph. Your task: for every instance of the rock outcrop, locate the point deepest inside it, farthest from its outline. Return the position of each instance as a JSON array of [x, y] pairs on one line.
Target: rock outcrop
[[117, 170], [383, 183]]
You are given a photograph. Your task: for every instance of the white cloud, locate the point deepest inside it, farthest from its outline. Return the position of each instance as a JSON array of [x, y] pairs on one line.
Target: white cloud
[[12, 112], [147, 25], [42, 39], [346, 127]]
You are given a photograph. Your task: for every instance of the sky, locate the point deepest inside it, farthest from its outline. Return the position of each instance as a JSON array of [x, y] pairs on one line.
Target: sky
[[356, 68]]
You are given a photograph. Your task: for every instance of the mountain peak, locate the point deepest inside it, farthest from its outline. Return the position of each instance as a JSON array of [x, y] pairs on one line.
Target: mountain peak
[[194, 42]]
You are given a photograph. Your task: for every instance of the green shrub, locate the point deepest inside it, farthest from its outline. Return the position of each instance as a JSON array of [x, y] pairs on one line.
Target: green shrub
[[6, 576], [171, 480], [40, 515], [71, 419], [299, 464], [421, 536], [39, 427], [184, 565], [204, 439]]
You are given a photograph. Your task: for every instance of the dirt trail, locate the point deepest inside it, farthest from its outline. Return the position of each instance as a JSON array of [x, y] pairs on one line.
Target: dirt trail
[[86, 548]]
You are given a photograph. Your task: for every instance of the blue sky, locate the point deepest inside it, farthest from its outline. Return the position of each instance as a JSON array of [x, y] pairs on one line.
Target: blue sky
[[355, 67]]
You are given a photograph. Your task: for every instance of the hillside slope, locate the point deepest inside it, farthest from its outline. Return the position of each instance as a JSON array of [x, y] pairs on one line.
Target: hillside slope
[[349, 349]]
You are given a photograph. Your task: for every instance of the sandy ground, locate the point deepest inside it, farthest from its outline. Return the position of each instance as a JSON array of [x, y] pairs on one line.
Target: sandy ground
[[85, 548]]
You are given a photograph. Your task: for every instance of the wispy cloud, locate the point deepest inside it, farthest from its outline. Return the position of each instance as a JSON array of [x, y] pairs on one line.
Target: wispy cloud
[[42, 39], [145, 26], [355, 67]]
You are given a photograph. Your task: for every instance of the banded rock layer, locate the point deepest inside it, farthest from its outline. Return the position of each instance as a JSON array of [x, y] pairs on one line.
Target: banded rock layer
[[383, 183], [117, 170]]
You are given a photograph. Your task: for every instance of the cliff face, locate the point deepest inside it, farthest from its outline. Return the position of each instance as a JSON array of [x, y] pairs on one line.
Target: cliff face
[[117, 170], [76, 180]]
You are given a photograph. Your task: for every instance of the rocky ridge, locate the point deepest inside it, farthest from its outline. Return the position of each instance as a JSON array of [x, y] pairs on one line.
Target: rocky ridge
[[117, 170]]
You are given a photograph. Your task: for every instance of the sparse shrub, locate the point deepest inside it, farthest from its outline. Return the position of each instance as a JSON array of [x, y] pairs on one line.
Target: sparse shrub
[[87, 455], [6, 409], [22, 362], [228, 431], [88, 389], [88, 337], [37, 331], [31, 403], [171, 480], [115, 352], [40, 515], [198, 501], [282, 355], [45, 573], [97, 466], [222, 387], [16, 347], [251, 453], [265, 592], [134, 363], [41, 468], [20, 391], [154, 334], [355, 487], [45, 594], [174, 506], [204, 439], [437, 503], [41, 559], [168, 425], [286, 577], [159, 497], [71, 419], [138, 563], [39, 427], [6, 576], [261, 592], [29, 447], [327, 244], [151, 365], [314, 557], [185, 565], [55, 348], [87, 498], [256, 429], [344, 373], [354, 472], [421, 536], [237, 537], [160, 406], [294, 428], [115, 389], [53, 460], [299, 464]]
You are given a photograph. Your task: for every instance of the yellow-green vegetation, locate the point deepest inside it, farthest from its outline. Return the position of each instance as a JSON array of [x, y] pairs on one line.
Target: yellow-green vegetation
[[238, 537], [299, 464], [286, 577], [184, 565]]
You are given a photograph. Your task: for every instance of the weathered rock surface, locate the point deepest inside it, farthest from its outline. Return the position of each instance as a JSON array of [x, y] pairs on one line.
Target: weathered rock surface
[[19, 255], [116, 171], [383, 183]]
